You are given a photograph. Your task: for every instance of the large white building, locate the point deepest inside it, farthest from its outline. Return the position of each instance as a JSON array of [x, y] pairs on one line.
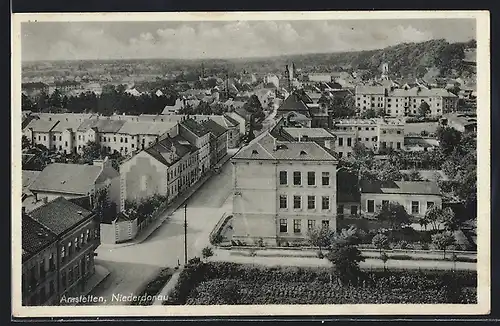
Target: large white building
[[400, 102], [375, 134], [283, 189]]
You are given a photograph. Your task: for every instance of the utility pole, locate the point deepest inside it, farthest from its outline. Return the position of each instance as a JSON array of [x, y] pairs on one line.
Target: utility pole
[[185, 235]]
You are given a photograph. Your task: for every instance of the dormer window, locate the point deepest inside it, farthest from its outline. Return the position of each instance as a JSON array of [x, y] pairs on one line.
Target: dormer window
[[254, 152], [303, 153]]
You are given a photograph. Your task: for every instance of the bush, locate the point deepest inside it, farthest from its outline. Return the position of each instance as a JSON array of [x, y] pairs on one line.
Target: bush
[[153, 288], [208, 283], [401, 257], [207, 252]]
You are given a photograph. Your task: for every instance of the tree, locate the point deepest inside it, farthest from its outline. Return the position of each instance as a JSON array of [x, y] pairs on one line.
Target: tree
[[369, 114], [102, 205], [42, 101], [25, 142], [91, 151], [380, 241], [395, 214], [55, 99], [437, 216], [424, 109], [26, 103], [387, 172], [449, 139], [443, 240], [346, 259], [207, 252], [384, 257], [414, 175], [321, 237]]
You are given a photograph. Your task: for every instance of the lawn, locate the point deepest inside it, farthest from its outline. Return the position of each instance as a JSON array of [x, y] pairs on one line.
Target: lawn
[[230, 283]]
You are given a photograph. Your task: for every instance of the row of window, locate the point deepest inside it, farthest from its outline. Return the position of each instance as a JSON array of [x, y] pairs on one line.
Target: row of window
[[311, 202], [354, 128], [311, 178], [391, 145], [72, 274], [78, 244], [415, 205], [297, 225]]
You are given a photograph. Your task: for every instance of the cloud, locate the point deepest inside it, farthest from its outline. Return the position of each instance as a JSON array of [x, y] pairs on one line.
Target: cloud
[[217, 39]]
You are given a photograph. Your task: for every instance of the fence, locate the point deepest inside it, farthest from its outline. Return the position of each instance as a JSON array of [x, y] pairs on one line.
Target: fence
[[219, 227]]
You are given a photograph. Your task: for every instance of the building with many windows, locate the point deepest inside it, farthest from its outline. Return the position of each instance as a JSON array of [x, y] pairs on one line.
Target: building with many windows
[[415, 196], [370, 97], [282, 189], [376, 134], [400, 102], [59, 241]]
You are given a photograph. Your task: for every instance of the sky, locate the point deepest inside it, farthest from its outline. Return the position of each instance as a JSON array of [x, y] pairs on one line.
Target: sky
[[227, 39]]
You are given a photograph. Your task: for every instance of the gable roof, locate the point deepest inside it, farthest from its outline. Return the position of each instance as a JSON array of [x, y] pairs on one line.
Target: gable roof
[[40, 125], [400, 187], [60, 215], [195, 127], [308, 132], [66, 178], [294, 103], [102, 125], [268, 148], [231, 120], [370, 90], [35, 237], [216, 129], [155, 128], [170, 150]]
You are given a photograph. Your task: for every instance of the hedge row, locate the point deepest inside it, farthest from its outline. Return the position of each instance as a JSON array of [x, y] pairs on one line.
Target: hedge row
[[205, 283]]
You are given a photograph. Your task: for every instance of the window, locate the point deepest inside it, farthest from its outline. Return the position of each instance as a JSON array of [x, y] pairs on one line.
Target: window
[[384, 144], [114, 139], [121, 139], [359, 138], [415, 207], [367, 139], [311, 178], [341, 141], [87, 235], [63, 254], [340, 154], [325, 202], [398, 145], [349, 141], [370, 203], [79, 137], [126, 140], [311, 202], [325, 178], [340, 210], [348, 154], [297, 202], [54, 137], [283, 201], [385, 203], [374, 138], [296, 226], [132, 145], [69, 249], [44, 138], [283, 225], [311, 224], [398, 132], [60, 147], [325, 224], [430, 204], [52, 265], [66, 143], [354, 210], [297, 178]]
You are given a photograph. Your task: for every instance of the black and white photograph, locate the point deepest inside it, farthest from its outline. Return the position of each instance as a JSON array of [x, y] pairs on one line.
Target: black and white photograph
[[177, 164]]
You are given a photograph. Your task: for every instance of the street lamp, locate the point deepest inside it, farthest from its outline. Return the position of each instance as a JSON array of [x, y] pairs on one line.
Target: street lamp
[[185, 235]]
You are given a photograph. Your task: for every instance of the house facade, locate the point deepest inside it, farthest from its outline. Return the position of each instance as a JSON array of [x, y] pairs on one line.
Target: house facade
[[415, 196], [77, 235], [198, 136], [282, 189]]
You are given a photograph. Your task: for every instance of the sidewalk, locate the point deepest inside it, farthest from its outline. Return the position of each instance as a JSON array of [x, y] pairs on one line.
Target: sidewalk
[[101, 273], [369, 263], [167, 288]]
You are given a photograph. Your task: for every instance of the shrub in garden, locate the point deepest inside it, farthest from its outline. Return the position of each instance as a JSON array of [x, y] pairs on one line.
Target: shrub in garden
[[443, 240], [380, 241], [194, 261], [346, 259], [207, 252], [216, 292]]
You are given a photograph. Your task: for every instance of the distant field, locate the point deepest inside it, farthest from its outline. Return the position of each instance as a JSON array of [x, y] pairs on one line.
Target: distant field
[[430, 127]]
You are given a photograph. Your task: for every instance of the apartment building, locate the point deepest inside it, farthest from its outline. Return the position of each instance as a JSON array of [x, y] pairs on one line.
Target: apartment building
[[282, 189], [199, 136], [376, 134], [62, 237], [416, 196], [166, 168], [39, 267], [218, 141], [401, 102], [370, 97]]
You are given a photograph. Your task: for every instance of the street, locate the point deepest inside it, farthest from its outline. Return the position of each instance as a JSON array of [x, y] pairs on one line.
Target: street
[[132, 266]]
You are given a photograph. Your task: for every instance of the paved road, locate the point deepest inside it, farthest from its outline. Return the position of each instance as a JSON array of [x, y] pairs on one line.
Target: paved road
[[132, 266]]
